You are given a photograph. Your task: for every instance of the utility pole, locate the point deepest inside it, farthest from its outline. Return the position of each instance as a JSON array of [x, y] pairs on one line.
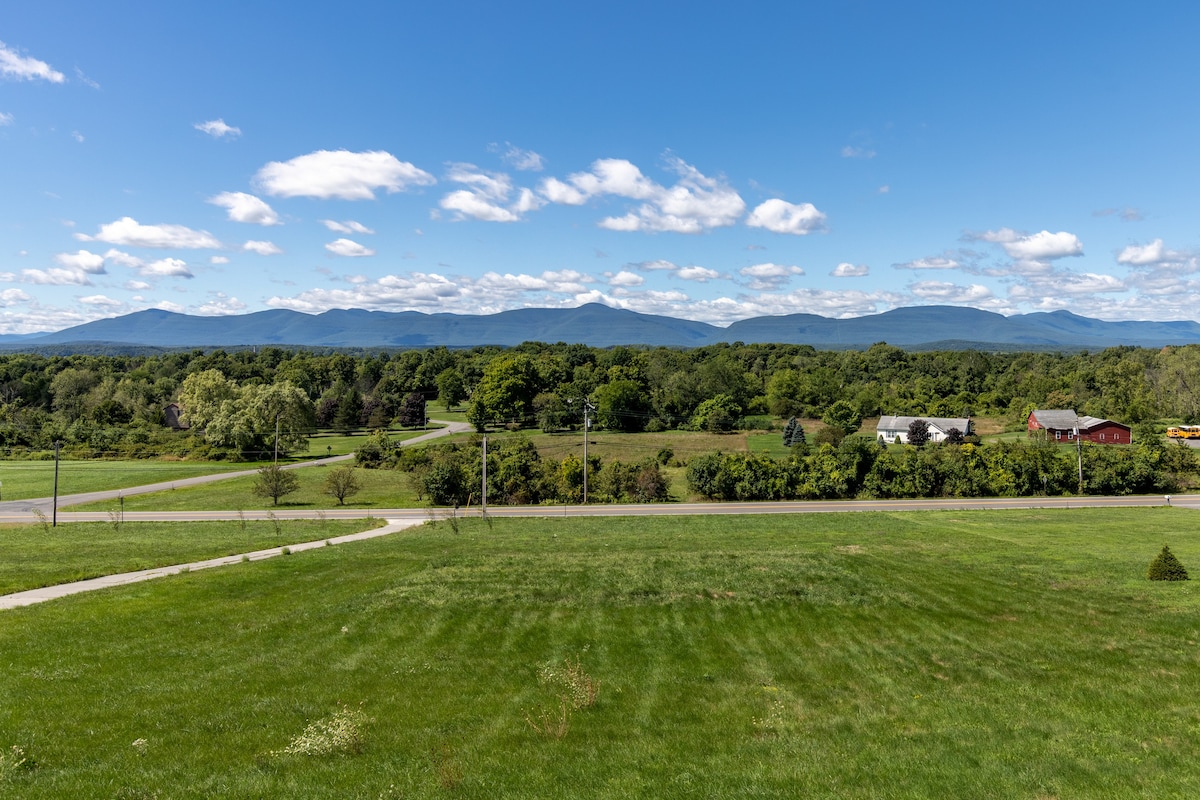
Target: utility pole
[[587, 424], [277, 440], [483, 489], [57, 445], [1079, 453]]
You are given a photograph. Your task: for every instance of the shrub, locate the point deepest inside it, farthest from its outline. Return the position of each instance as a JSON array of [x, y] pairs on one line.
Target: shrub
[[1166, 567]]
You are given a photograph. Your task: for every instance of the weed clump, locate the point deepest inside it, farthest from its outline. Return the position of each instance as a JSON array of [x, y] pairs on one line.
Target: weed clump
[[1166, 567], [14, 760], [338, 734]]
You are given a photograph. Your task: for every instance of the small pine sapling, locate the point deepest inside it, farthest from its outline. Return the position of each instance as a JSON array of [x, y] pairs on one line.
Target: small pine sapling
[[1166, 567]]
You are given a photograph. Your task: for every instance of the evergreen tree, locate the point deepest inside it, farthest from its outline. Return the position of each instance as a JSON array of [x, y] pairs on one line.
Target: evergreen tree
[[1166, 567]]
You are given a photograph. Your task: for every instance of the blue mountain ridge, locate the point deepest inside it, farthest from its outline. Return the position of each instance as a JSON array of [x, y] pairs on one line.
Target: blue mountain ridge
[[598, 325]]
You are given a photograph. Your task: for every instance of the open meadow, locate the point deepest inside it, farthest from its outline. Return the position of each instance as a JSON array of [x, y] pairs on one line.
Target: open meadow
[[882, 655]]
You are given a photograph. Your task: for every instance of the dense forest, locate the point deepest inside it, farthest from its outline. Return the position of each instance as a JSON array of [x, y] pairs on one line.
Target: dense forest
[[235, 402]]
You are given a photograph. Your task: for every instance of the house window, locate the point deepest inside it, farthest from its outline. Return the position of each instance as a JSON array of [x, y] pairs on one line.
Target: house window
[[1058, 434], [1102, 437]]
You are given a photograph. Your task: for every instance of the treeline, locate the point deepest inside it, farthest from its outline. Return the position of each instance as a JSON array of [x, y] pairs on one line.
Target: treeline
[[860, 468], [114, 404], [517, 474]]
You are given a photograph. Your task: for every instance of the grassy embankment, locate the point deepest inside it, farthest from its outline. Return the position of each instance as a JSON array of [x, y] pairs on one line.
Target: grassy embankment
[[898, 655], [32, 556]]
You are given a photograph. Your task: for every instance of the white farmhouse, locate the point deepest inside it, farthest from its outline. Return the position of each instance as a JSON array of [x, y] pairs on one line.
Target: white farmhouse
[[895, 429]]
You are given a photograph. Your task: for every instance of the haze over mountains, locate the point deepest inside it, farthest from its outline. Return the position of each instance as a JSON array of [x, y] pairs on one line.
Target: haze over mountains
[[947, 327]]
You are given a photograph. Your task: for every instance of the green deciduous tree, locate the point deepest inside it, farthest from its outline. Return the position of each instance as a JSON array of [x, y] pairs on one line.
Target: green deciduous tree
[[341, 483], [275, 482]]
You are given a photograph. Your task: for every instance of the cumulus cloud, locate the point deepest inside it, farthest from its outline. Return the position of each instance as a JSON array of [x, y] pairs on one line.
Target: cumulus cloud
[[5, 119], [217, 129], [17, 67], [219, 260], [56, 276], [166, 268], [137, 286], [1072, 284], [129, 232], [1156, 254], [515, 157], [694, 204], [1043, 246], [950, 293], [348, 248], [247, 208], [100, 300], [768, 276], [698, 274], [349, 226], [624, 278], [780, 216], [488, 196], [83, 261], [936, 262], [340, 174], [162, 268], [848, 270], [221, 305], [262, 248]]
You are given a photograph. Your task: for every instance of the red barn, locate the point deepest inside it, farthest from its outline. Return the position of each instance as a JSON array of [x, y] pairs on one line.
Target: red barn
[[1065, 425]]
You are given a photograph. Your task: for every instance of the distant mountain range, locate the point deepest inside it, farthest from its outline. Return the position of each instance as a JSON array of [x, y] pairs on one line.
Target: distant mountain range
[[920, 327]]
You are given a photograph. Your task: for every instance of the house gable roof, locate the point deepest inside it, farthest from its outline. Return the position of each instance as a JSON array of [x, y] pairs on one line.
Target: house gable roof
[[943, 424]]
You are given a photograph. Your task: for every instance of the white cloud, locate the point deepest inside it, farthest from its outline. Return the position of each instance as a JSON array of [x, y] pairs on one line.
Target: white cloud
[[1154, 254], [77, 136], [11, 297], [137, 286], [166, 268], [853, 151], [884, 189], [694, 204], [654, 266], [1042, 288], [951, 293], [56, 277], [937, 262], [848, 270], [763, 277], [781, 216], [82, 260], [262, 248], [524, 160], [1043, 246], [217, 129], [127, 231], [221, 305], [340, 174], [349, 226], [101, 301], [348, 248], [624, 278], [698, 274], [219, 260], [247, 208], [85, 80], [5, 119], [487, 199], [15, 66]]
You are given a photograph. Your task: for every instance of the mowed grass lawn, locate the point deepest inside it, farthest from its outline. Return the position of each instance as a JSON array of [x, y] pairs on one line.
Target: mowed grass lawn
[[21, 480], [381, 488], [878, 655], [32, 556]]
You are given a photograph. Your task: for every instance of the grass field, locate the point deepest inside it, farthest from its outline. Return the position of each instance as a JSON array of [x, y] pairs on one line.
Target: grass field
[[20, 480], [32, 556], [874, 655]]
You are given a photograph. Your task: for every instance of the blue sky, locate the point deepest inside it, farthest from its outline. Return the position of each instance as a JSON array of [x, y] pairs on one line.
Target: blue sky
[[700, 160]]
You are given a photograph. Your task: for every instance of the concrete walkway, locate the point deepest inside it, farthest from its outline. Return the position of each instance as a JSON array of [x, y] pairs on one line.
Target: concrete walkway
[[45, 593]]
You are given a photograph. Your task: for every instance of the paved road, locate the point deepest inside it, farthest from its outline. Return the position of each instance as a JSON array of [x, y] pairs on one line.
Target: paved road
[[23, 510]]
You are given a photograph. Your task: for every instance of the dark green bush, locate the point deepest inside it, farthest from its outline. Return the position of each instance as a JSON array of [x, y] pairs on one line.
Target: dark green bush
[[1166, 567]]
